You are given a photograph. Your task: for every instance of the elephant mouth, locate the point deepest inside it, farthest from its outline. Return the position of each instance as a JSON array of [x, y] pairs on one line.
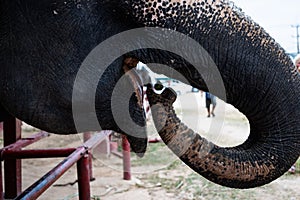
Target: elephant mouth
[[137, 86], [129, 69], [138, 139]]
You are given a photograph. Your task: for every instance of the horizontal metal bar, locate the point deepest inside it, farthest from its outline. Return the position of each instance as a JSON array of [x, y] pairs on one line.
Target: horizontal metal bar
[[48, 179], [96, 139], [23, 142], [155, 140], [36, 153], [116, 153]]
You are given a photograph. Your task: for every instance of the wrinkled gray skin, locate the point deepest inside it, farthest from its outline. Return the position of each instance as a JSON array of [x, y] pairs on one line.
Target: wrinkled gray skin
[[41, 53], [43, 44]]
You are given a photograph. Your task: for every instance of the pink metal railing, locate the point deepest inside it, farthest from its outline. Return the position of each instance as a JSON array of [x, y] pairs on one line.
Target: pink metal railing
[[12, 152]]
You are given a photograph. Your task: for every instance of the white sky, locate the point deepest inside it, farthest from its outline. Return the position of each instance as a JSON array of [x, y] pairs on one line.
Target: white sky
[[277, 17]]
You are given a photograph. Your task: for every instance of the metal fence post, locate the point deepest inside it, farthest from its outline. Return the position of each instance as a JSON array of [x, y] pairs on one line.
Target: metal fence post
[[12, 167], [126, 159], [83, 173]]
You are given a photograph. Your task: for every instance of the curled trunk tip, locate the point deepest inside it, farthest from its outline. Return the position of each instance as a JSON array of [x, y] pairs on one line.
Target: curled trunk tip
[[258, 161]]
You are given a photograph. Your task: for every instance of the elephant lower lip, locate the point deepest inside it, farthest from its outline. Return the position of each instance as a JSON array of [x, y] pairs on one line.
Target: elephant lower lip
[[129, 65], [138, 141]]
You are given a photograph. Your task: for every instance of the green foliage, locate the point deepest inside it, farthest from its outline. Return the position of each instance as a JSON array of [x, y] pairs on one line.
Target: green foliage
[[95, 198], [174, 165], [298, 166]]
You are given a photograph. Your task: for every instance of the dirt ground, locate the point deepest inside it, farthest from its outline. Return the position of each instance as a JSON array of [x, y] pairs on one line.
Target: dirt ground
[[159, 175]]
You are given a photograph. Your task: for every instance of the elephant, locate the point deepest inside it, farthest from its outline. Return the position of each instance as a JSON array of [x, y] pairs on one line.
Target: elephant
[[44, 43]]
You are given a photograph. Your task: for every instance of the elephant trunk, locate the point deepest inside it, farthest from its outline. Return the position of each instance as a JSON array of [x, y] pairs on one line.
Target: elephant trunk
[[260, 160], [259, 80]]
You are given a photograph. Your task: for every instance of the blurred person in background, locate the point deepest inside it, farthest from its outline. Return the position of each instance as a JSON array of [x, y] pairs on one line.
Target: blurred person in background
[[210, 99]]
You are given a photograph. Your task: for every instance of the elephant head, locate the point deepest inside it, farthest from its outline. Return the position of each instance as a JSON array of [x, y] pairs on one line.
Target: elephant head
[[44, 43]]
